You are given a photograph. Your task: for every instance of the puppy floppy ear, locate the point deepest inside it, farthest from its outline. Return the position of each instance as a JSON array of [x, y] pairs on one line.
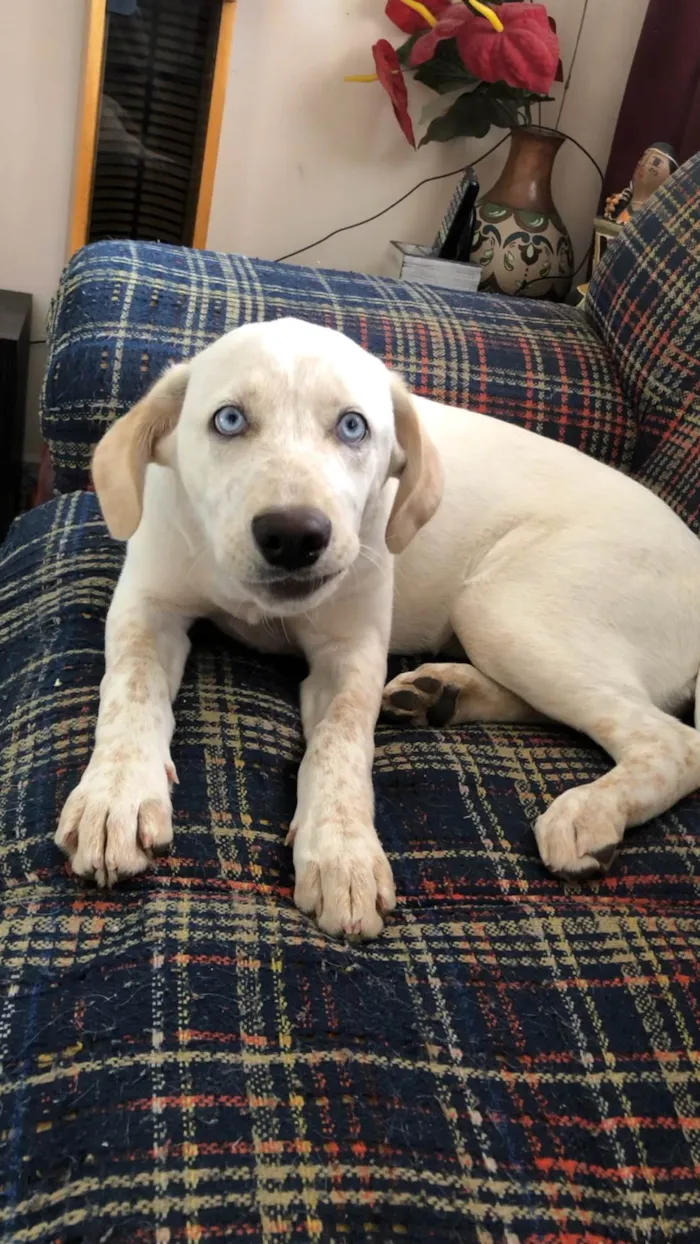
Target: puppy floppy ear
[[120, 460], [419, 469]]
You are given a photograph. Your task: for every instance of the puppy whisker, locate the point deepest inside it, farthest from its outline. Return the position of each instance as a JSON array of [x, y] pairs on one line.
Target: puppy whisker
[[371, 556]]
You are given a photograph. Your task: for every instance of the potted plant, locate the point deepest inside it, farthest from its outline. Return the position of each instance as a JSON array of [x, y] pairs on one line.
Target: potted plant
[[491, 63]]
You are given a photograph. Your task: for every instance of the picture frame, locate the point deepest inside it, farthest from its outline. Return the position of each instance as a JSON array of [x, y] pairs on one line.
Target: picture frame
[[603, 233]]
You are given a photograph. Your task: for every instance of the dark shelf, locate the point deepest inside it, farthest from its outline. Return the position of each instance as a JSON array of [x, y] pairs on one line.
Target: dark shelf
[[15, 325]]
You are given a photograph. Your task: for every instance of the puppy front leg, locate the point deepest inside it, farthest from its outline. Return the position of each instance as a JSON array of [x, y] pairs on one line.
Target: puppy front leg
[[119, 816], [342, 874]]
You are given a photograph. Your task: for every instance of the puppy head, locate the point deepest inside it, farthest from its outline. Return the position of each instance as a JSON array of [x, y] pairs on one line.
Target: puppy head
[[283, 436]]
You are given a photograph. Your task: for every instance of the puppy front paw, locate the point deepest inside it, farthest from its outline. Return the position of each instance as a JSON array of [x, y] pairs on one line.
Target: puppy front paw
[[343, 878], [118, 817]]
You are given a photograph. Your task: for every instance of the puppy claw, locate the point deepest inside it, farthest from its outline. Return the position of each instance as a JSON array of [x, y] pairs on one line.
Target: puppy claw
[[605, 855], [574, 834], [587, 873]]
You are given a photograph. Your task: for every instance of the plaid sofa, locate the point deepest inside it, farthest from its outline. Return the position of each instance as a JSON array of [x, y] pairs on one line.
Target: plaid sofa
[[185, 1058]]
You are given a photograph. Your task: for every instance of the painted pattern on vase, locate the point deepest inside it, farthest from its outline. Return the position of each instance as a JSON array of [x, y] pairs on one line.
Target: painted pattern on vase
[[520, 240]]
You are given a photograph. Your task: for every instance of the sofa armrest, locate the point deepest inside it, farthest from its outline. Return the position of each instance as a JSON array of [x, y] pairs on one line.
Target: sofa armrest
[[644, 304], [124, 310]]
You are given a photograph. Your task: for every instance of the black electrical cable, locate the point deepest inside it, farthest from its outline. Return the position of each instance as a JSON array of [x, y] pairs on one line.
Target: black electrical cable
[[567, 84], [368, 219], [589, 251], [438, 177], [585, 151]]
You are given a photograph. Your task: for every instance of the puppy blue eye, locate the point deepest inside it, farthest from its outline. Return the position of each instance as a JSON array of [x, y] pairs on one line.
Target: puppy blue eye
[[352, 427], [230, 421]]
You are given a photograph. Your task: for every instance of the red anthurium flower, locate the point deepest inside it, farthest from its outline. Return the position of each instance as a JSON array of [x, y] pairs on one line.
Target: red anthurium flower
[[391, 77], [448, 27], [408, 20], [524, 54]]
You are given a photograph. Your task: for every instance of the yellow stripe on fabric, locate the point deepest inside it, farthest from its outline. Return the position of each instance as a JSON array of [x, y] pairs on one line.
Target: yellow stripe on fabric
[[492, 1206], [252, 1059], [583, 995], [645, 1000], [284, 1026]]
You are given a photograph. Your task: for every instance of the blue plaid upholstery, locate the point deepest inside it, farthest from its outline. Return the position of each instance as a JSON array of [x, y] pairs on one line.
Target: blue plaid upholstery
[[124, 310], [515, 1059], [185, 1058], [645, 304]]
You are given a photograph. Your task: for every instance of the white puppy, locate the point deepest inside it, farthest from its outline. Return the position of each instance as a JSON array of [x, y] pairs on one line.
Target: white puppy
[[256, 486]]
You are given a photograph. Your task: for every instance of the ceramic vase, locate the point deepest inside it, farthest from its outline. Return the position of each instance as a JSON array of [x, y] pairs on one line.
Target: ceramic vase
[[520, 240]]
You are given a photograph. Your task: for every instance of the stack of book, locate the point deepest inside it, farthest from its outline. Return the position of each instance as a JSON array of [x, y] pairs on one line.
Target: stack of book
[[446, 262], [421, 264]]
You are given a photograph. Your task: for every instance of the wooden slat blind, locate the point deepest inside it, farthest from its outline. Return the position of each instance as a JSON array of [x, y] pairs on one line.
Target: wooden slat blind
[[159, 64]]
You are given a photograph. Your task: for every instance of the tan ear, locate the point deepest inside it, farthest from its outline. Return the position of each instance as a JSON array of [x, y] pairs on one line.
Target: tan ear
[[420, 473], [120, 460]]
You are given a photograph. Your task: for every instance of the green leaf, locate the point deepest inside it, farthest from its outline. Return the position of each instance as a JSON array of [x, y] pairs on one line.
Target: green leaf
[[466, 116], [434, 107], [472, 115], [445, 71], [518, 94], [404, 51]]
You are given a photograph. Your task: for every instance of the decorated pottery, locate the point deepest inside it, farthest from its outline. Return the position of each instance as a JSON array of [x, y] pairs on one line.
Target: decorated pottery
[[520, 239]]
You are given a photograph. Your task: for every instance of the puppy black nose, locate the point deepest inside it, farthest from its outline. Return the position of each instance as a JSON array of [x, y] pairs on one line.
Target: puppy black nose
[[291, 537]]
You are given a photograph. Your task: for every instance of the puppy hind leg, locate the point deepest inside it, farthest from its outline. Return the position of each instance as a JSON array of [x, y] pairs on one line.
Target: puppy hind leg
[[585, 679], [447, 694], [658, 762]]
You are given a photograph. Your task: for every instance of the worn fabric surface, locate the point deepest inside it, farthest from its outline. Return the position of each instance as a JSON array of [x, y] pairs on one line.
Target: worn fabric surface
[[124, 310], [645, 304], [186, 1058]]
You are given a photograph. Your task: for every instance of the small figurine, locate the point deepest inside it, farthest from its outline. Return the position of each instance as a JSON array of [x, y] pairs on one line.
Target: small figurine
[[655, 166]]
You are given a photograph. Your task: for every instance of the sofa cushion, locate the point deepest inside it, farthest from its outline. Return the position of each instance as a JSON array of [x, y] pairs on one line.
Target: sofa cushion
[[186, 1057], [644, 301], [673, 467], [124, 310]]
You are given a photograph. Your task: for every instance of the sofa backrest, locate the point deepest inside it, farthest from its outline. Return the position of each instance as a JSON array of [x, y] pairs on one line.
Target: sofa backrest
[[124, 310]]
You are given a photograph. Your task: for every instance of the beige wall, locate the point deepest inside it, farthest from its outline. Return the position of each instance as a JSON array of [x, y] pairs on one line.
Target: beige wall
[[40, 57], [302, 152]]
